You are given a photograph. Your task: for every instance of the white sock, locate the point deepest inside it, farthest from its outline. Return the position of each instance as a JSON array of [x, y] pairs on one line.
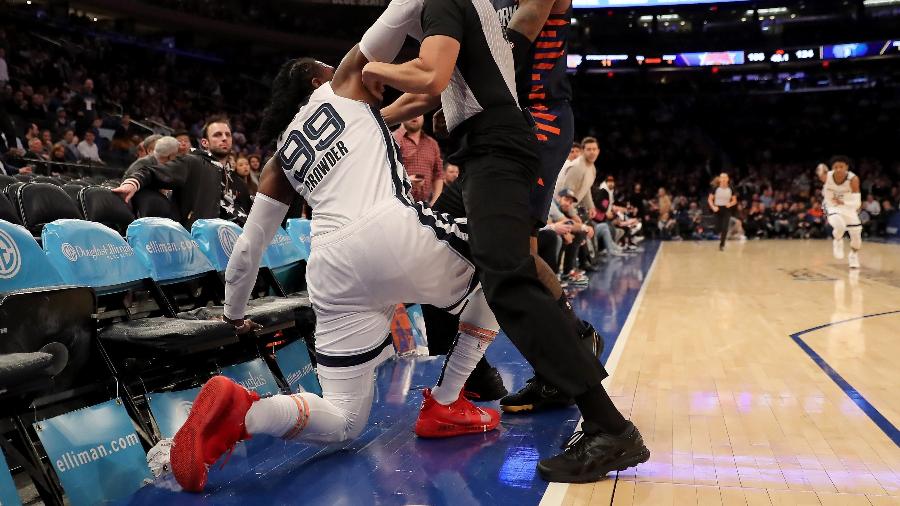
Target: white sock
[[309, 417], [274, 416], [460, 363]]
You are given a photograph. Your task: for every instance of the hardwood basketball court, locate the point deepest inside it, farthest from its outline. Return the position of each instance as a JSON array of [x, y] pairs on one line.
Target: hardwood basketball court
[[762, 375]]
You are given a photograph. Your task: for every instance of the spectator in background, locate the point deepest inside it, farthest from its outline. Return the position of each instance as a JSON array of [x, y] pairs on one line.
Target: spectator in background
[[255, 168], [148, 155], [58, 153], [873, 209], [202, 185], [87, 103], [242, 170], [61, 123], [575, 152], [12, 144], [884, 218], [604, 215], [47, 141], [145, 147], [33, 156], [422, 159], [4, 68], [815, 217], [87, 149], [451, 173], [38, 112], [580, 175], [70, 141], [562, 212], [184, 142]]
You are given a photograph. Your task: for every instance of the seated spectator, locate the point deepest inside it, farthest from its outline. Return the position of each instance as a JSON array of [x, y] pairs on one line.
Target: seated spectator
[[35, 155], [161, 150], [184, 142], [70, 141], [451, 173], [47, 140], [87, 149], [58, 153], [884, 218], [562, 211], [242, 170], [782, 222], [201, 183], [255, 168], [815, 217], [145, 147], [873, 209]]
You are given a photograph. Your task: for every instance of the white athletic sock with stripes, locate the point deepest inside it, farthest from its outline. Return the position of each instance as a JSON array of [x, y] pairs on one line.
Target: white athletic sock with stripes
[[460, 363], [301, 416], [274, 416]]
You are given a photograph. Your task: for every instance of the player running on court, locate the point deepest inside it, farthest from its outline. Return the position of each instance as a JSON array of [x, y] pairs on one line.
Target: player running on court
[[842, 201]]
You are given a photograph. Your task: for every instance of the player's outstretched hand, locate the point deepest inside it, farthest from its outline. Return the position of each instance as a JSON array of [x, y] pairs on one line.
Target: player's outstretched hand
[[821, 169]]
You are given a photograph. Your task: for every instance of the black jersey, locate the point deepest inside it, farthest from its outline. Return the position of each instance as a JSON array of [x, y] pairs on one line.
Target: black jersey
[[483, 82]]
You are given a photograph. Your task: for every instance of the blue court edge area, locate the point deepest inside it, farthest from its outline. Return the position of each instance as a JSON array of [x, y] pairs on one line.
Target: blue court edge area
[[389, 465]]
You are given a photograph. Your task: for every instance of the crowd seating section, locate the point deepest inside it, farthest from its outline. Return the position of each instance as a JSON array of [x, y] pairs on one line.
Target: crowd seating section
[[97, 302]]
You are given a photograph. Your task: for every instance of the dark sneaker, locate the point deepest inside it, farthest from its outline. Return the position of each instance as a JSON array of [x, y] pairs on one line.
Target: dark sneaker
[[590, 457], [536, 395], [484, 384]]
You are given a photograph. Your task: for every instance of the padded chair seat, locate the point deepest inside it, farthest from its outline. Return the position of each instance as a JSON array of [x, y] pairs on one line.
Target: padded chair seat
[[170, 335], [21, 368], [266, 311]]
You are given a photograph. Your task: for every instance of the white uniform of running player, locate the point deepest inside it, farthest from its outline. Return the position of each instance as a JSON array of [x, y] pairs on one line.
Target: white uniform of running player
[[842, 208]]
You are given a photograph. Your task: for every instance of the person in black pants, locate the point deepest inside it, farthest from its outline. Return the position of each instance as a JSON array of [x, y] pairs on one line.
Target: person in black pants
[[721, 200], [499, 162]]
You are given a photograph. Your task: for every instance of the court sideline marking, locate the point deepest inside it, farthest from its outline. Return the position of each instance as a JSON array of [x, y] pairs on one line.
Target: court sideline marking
[[556, 492], [871, 411]]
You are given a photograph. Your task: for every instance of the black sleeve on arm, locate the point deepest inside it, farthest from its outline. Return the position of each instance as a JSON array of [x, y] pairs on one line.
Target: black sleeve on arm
[[521, 47], [167, 176], [443, 17]]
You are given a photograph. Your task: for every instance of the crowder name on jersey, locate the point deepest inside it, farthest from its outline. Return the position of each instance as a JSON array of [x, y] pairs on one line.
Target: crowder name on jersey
[[329, 159]]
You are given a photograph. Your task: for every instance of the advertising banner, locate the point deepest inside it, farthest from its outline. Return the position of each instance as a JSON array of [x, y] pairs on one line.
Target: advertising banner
[[95, 452], [294, 362], [8, 494], [253, 375], [171, 409]]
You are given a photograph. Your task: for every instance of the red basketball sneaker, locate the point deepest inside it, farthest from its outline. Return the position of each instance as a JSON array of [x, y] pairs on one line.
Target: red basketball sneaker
[[215, 425], [460, 417]]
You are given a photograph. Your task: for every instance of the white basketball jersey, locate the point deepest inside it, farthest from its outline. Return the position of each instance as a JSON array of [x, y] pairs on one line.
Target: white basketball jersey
[[340, 156], [832, 190]]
